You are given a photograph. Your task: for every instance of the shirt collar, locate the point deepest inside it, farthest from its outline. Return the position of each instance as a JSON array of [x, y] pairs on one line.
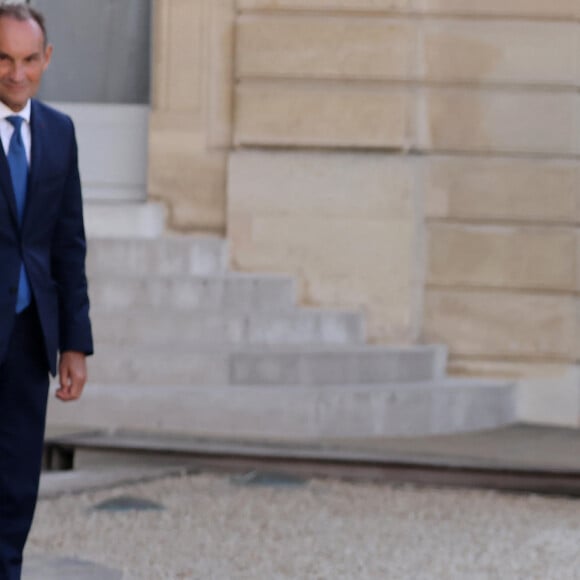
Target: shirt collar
[[6, 111]]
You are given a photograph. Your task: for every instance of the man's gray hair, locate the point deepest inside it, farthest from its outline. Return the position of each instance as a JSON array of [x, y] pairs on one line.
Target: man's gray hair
[[23, 12]]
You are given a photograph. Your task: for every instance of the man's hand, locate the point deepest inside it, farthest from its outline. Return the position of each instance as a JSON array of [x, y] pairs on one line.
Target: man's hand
[[72, 372]]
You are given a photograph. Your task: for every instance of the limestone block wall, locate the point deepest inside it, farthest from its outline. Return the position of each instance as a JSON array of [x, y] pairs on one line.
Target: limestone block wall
[[477, 102], [502, 194], [419, 159]]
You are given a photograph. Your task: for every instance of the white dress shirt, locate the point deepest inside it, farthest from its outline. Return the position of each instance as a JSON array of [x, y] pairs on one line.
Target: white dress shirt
[[6, 128]]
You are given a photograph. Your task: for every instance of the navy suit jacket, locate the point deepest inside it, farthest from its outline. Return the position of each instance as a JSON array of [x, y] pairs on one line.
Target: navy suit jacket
[[50, 240]]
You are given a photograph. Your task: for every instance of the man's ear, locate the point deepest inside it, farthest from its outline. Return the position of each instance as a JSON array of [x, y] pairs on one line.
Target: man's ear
[[47, 55]]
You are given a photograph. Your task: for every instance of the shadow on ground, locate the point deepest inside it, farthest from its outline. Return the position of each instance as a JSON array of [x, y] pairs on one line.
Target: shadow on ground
[[51, 568]]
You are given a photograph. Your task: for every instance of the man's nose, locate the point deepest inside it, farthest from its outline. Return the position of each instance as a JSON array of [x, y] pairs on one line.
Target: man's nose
[[17, 72]]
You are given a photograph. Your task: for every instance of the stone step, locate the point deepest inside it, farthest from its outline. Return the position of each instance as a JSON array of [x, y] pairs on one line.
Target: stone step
[[294, 411], [164, 256], [176, 364], [166, 326], [234, 292], [142, 220]]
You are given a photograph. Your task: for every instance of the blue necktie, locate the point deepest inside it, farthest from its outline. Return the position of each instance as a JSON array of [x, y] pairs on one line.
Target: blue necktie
[[18, 164]]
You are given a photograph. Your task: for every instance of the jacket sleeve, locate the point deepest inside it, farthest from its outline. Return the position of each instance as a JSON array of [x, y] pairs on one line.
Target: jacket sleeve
[[68, 253]]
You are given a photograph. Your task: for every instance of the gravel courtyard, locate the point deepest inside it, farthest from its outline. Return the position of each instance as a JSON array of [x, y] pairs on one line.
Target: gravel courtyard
[[216, 529]]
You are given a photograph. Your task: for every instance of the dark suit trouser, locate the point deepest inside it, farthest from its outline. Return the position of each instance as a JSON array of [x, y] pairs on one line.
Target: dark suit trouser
[[23, 399]]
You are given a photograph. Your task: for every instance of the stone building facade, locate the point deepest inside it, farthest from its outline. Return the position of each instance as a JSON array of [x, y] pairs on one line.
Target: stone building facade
[[418, 159]]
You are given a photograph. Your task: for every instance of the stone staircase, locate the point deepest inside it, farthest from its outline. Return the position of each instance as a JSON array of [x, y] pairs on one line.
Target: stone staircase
[[185, 346]]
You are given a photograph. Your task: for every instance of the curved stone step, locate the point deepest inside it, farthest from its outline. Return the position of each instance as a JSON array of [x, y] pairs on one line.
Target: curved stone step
[[294, 411], [164, 326], [176, 364], [230, 293], [162, 256]]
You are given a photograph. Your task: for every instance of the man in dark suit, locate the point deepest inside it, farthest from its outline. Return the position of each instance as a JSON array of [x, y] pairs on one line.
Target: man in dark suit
[[44, 307]]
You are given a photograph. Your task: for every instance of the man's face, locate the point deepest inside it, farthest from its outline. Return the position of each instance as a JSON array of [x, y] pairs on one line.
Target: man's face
[[23, 60]]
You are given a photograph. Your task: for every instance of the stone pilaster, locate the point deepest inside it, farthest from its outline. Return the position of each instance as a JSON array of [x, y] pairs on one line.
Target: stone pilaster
[[190, 127]]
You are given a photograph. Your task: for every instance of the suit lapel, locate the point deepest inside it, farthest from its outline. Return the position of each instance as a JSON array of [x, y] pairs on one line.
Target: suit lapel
[[36, 155], [6, 186]]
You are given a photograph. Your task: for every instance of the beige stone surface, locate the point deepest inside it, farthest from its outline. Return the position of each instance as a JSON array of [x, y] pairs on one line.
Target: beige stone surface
[[159, 54], [441, 50], [533, 8], [578, 271], [305, 183], [178, 57], [321, 47], [520, 8], [501, 325], [510, 51], [460, 366], [220, 73], [374, 274], [514, 121], [314, 115], [509, 189], [191, 121], [188, 178], [518, 257], [294, 212], [334, 5]]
